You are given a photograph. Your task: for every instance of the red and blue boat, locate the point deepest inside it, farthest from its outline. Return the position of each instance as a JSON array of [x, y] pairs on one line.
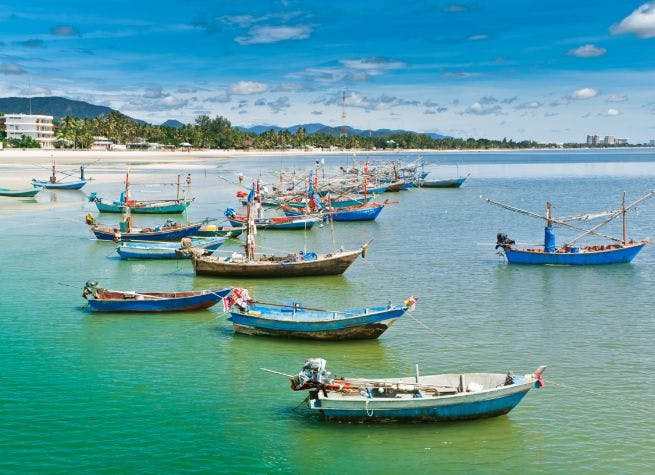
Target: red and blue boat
[[279, 222]]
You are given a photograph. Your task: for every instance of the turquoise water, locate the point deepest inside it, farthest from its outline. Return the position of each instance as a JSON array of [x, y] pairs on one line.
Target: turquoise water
[[174, 393]]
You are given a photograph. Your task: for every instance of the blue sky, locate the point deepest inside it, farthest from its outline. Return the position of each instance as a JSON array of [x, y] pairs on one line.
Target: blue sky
[[546, 70]]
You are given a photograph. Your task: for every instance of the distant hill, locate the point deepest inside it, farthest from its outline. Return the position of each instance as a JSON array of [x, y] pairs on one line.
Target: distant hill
[[57, 107], [327, 130], [176, 124]]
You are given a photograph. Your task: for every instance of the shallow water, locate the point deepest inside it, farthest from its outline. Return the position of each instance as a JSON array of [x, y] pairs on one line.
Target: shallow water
[[172, 393]]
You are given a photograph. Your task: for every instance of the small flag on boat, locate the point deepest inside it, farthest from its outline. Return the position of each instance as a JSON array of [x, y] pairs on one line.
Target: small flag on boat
[[251, 195], [410, 303]]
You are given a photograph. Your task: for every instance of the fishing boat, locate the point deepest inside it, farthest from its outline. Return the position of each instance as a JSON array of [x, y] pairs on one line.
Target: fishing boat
[[297, 264], [103, 300], [53, 183], [169, 231], [211, 230], [167, 250], [447, 183], [618, 250], [418, 398], [166, 206], [339, 202], [294, 320], [280, 222], [24, 193], [367, 212]]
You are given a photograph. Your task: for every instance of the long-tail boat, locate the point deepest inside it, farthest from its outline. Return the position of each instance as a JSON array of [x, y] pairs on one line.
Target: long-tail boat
[[167, 250], [24, 193], [166, 206], [276, 222], [446, 183], [103, 300], [169, 231], [294, 320], [417, 398], [53, 183], [619, 250], [259, 265]]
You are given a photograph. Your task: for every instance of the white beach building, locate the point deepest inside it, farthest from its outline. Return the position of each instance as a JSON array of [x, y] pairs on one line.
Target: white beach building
[[39, 127]]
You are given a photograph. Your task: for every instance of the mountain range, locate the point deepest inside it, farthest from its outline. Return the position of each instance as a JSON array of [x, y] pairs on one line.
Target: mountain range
[[59, 107]]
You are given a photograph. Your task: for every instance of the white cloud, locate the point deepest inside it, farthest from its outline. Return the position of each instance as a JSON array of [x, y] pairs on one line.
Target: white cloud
[[274, 34], [529, 105], [35, 91], [154, 93], [482, 109], [611, 113], [248, 87], [373, 65], [617, 98], [11, 69], [587, 51], [354, 99], [584, 93], [641, 22], [478, 37]]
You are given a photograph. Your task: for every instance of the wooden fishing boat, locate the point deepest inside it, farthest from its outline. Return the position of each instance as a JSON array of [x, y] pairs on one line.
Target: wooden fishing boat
[[367, 212], [25, 193], [341, 202], [167, 206], [430, 398], [279, 223], [59, 185], [167, 250], [301, 264], [53, 183], [170, 231], [211, 230], [449, 183], [295, 321], [292, 265], [620, 250], [103, 300]]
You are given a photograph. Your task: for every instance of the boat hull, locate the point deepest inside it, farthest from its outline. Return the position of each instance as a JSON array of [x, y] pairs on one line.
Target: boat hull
[[610, 256], [197, 301], [450, 408], [29, 193], [163, 250], [364, 213], [109, 234], [360, 327], [454, 183], [175, 208], [220, 231], [333, 265], [73, 185], [281, 225]]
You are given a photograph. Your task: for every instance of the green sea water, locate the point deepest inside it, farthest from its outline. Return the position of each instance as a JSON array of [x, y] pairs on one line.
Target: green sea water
[[82, 393]]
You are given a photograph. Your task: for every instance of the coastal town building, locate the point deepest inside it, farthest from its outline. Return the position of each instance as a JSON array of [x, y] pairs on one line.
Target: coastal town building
[[39, 127], [594, 140]]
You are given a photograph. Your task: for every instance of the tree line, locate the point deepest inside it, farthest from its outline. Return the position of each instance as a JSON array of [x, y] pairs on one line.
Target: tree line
[[218, 133]]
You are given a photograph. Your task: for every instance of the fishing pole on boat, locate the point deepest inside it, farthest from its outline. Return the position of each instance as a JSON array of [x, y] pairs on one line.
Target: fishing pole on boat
[[277, 372]]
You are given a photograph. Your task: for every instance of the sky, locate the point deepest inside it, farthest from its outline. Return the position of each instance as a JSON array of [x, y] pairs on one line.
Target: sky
[[553, 70]]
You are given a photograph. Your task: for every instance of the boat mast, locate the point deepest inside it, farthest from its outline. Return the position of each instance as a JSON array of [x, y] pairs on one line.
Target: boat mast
[[624, 212], [53, 178], [178, 188], [549, 220], [250, 232]]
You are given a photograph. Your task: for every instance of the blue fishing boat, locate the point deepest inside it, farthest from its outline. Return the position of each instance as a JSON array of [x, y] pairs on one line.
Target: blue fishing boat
[[59, 185], [170, 231], [418, 398], [167, 250], [293, 320], [53, 183], [279, 223], [367, 212], [103, 300], [619, 250]]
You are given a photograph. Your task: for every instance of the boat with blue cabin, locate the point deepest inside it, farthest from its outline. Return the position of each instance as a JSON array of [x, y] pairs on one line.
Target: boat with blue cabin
[[53, 183], [418, 398], [619, 250]]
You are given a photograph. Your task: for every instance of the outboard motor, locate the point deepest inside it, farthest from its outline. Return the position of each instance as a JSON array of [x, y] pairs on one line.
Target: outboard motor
[[93, 197], [313, 375], [230, 212], [503, 241]]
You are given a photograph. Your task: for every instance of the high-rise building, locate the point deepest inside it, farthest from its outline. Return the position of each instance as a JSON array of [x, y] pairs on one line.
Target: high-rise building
[[39, 127], [609, 140], [592, 139]]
